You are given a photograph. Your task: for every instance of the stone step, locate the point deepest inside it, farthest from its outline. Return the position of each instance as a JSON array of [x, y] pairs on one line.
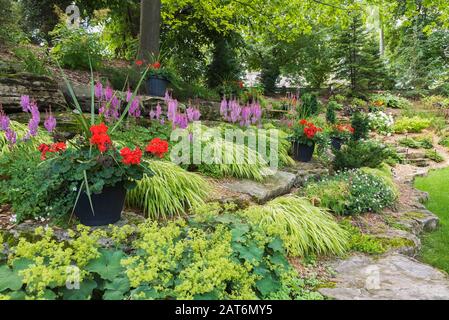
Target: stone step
[[390, 277], [274, 186]]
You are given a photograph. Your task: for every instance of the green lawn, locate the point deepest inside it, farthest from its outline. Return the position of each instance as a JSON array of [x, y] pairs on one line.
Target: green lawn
[[436, 244]]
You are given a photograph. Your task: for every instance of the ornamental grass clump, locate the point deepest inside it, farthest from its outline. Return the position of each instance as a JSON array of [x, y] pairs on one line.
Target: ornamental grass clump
[[171, 191], [304, 228]]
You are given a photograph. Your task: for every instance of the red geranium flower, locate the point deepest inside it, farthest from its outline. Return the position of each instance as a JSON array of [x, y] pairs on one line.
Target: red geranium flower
[[139, 63], [303, 122], [130, 157], [157, 147], [100, 137], [156, 65], [55, 147]]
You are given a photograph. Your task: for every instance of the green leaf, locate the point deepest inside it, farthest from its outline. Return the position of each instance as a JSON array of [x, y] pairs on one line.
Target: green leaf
[[9, 279], [21, 264], [118, 284], [107, 265], [49, 295], [207, 296], [277, 245], [238, 232], [150, 293], [280, 259], [251, 252], [267, 285], [83, 293], [113, 295]]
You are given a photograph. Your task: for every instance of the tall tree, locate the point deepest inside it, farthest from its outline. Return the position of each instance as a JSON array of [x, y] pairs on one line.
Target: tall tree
[[150, 28]]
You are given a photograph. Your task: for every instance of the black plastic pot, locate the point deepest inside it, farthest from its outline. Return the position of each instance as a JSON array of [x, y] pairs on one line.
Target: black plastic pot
[[337, 143], [108, 206], [157, 86], [303, 152]]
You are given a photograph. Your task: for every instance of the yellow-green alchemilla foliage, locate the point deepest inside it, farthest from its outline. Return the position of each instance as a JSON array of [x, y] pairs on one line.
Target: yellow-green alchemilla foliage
[[209, 257]]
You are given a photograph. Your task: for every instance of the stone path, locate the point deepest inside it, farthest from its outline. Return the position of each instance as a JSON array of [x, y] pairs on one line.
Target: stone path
[[395, 275], [390, 277]]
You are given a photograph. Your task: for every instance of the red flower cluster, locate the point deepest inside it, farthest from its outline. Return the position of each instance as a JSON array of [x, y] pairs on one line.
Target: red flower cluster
[[157, 147], [343, 128], [130, 157], [100, 137], [156, 65], [310, 130], [139, 63], [53, 148]]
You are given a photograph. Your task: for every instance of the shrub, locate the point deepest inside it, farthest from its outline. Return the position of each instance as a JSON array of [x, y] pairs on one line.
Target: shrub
[[390, 101], [340, 99], [411, 125], [31, 63], [361, 125], [416, 143], [170, 192], [381, 122], [444, 142], [76, 48], [304, 228], [29, 186], [434, 156], [360, 191], [309, 105], [331, 116], [361, 242], [357, 154]]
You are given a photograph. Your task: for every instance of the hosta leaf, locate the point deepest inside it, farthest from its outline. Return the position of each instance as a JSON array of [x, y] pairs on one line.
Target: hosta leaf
[[9, 279], [107, 265]]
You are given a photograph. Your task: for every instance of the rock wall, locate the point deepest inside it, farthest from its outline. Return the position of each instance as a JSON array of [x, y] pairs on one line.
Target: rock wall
[[41, 88], [210, 110]]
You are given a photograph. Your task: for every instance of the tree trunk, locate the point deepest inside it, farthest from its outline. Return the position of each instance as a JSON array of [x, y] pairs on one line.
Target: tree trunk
[[150, 28]]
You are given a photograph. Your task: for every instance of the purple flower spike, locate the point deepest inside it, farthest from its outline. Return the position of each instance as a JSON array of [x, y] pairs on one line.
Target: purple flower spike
[[50, 123], [129, 95], [11, 136], [25, 103], [158, 111], [98, 90], [4, 121], [108, 93]]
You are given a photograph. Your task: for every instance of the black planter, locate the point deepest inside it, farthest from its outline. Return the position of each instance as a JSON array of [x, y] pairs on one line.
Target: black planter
[[108, 206], [157, 86], [337, 143], [303, 152]]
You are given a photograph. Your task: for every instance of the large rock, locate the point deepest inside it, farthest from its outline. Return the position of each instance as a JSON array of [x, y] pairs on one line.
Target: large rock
[[277, 185], [305, 171], [391, 277], [40, 88]]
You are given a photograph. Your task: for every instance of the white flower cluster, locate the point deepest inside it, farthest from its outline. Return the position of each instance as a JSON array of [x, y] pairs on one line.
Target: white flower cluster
[[381, 122]]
